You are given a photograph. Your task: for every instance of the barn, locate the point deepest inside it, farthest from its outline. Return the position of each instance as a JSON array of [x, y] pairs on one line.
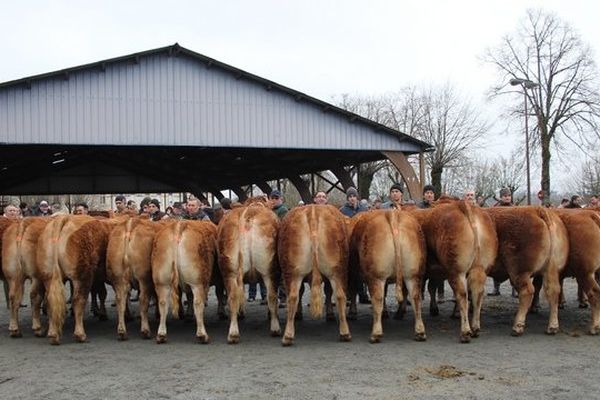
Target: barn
[[173, 120]]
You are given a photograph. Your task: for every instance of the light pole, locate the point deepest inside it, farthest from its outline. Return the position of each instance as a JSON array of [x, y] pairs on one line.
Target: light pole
[[526, 84]]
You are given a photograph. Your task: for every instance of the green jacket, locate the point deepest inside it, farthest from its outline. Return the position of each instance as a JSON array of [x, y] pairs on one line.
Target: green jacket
[[280, 211]]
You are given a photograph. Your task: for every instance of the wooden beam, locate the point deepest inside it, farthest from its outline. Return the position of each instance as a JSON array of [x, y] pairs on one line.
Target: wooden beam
[[302, 187], [407, 172], [344, 177]]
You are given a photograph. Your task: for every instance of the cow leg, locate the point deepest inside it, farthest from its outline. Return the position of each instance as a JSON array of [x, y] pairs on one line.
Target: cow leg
[[81, 291], [538, 282], [199, 294], [36, 295], [434, 310], [271, 286], [413, 287], [591, 288], [458, 284], [100, 289], [581, 297], [340, 301], [377, 289], [15, 295], [145, 291], [121, 288], [221, 299], [551, 284], [292, 306], [329, 316], [524, 288], [6, 290], [162, 294], [401, 311], [476, 281], [235, 295]]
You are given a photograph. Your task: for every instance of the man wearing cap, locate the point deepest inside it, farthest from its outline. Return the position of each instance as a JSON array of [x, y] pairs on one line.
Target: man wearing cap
[[277, 203], [176, 211], [43, 210], [154, 212], [428, 197], [352, 206], [121, 204], [505, 198], [396, 192]]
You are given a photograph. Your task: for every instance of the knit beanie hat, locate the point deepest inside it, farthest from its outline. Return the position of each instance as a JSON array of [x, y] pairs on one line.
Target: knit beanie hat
[[397, 186], [351, 192]]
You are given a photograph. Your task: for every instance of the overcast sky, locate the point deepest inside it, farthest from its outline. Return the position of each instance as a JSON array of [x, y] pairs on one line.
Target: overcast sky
[[323, 48]]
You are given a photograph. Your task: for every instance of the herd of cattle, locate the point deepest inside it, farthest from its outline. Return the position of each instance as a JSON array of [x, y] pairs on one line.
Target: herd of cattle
[[452, 240]]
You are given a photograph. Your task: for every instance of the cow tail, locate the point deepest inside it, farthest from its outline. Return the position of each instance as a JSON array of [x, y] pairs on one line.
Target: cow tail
[[394, 221], [243, 229], [178, 229], [467, 210], [316, 291], [56, 291], [129, 227]]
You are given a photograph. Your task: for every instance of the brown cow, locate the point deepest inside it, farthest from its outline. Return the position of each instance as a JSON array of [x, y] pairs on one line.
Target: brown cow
[[583, 227], [128, 259], [184, 253], [18, 265], [312, 240], [389, 245], [461, 247], [246, 242], [74, 248], [531, 241], [5, 223]]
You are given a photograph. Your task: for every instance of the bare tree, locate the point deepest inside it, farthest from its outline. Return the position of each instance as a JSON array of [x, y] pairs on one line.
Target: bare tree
[[586, 180], [452, 125], [550, 54]]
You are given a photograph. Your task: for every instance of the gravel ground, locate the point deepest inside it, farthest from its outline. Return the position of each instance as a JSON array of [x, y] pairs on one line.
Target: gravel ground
[[493, 366]]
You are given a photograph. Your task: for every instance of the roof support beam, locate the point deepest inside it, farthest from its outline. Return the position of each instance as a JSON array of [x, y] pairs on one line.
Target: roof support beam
[[264, 186], [344, 177], [409, 176], [302, 187], [240, 193]]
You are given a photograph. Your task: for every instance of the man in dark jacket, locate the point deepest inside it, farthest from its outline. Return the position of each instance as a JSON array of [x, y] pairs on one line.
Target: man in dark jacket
[[277, 204], [154, 212], [194, 211], [428, 197], [352, 206]]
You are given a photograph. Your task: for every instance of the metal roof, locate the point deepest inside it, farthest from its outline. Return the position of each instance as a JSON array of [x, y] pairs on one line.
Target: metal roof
[[170, 119]]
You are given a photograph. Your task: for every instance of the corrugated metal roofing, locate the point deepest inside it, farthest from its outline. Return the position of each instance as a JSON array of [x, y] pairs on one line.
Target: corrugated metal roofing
[[174, 97]]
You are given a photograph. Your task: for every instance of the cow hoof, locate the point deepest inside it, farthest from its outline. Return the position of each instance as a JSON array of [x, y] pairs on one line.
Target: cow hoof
[[552, 331], [287, 341], [276, 333], [233, 339], [465, 337], [122, 336], [145, 334], [434, 312], [346, 337], [594, 330], [330, 317], [420, 337], [38, 332], [222, 316], [54, 341], [80, 338], [16, 334], [160, 339], [375, 339], [475, 332], [516, 332], [204, 339]]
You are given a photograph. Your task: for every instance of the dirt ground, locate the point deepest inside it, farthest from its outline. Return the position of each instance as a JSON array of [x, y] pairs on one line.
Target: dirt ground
[[493, 366]]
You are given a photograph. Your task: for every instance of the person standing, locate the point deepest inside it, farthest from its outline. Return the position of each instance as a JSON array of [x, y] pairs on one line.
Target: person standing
[[120, 204], [320, 198], [505, 201], [575, 202], [352, 206], [81, 209], [12, 212], [428, 197], [194, 211], [276, 200], [470, 197], [154, 212], [396, 193], [43, 210]]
